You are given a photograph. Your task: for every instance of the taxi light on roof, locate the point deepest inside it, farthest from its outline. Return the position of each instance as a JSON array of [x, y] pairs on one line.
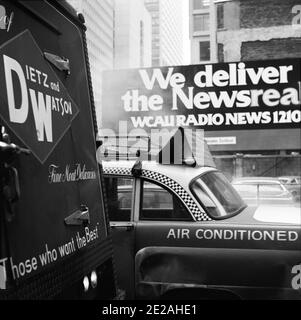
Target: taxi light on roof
[[190, 162]]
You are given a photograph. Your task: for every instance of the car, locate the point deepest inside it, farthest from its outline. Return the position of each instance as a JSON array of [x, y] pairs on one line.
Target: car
[[184, 232], [263, 190], [293, 184]]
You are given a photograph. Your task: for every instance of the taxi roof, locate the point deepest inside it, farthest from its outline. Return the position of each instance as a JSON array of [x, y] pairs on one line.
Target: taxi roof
[[180, 173]]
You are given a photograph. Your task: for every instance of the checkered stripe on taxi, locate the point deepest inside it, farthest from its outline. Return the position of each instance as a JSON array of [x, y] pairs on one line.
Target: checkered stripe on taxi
[[169, 183], [118, 171], [186, 198]]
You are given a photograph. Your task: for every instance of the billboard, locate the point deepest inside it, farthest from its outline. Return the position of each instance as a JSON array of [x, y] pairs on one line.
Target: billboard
[[226, 96]]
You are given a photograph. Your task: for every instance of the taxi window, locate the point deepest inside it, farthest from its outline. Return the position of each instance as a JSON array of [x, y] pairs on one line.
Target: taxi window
[[217, 195], [160, 204], [120, 197]]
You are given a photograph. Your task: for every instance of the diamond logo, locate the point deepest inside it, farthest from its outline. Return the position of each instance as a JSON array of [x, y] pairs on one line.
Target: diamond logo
[[35, 105]]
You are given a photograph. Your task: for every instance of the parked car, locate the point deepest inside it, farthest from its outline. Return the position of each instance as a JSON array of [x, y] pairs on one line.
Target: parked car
[[262, 190], [184, 232], [293, 184]]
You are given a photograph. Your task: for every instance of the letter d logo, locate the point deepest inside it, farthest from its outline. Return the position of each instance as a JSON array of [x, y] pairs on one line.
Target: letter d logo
[[16, 115]]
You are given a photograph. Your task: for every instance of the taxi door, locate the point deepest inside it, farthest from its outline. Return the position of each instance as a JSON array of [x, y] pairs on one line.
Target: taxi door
[[141, 214], [163, 224]]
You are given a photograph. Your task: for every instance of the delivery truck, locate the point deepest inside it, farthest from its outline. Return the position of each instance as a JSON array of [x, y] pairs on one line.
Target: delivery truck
[[54, 232]]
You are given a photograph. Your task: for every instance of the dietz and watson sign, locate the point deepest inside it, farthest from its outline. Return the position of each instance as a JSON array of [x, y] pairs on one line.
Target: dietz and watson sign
[[35, 104], [233, 96]]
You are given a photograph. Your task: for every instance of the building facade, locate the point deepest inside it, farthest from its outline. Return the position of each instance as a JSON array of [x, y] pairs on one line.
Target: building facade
[[235, 30], [167, 32], [100, 21], [259, 30], [202, 31], [133, 32], [246, 30], [118, 35]]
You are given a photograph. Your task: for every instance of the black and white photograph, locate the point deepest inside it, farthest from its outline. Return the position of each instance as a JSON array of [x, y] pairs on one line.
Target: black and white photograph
[[150, 153]]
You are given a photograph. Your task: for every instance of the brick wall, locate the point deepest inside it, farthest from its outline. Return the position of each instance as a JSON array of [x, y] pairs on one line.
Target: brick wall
[[266, 13], [273, 49]]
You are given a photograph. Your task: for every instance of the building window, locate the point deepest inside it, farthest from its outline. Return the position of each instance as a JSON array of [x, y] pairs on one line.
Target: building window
[[201, 22], [220, 16], [200, 4], [204, 51]]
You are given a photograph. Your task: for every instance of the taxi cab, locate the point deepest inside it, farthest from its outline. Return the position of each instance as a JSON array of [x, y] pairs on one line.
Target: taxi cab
[[183, 232]]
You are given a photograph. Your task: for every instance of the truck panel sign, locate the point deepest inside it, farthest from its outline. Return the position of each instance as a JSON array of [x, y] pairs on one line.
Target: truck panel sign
[[34, 102], [228, 96]]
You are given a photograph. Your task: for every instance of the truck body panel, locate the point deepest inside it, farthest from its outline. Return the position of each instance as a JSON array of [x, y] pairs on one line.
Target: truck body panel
[[56, 232]]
